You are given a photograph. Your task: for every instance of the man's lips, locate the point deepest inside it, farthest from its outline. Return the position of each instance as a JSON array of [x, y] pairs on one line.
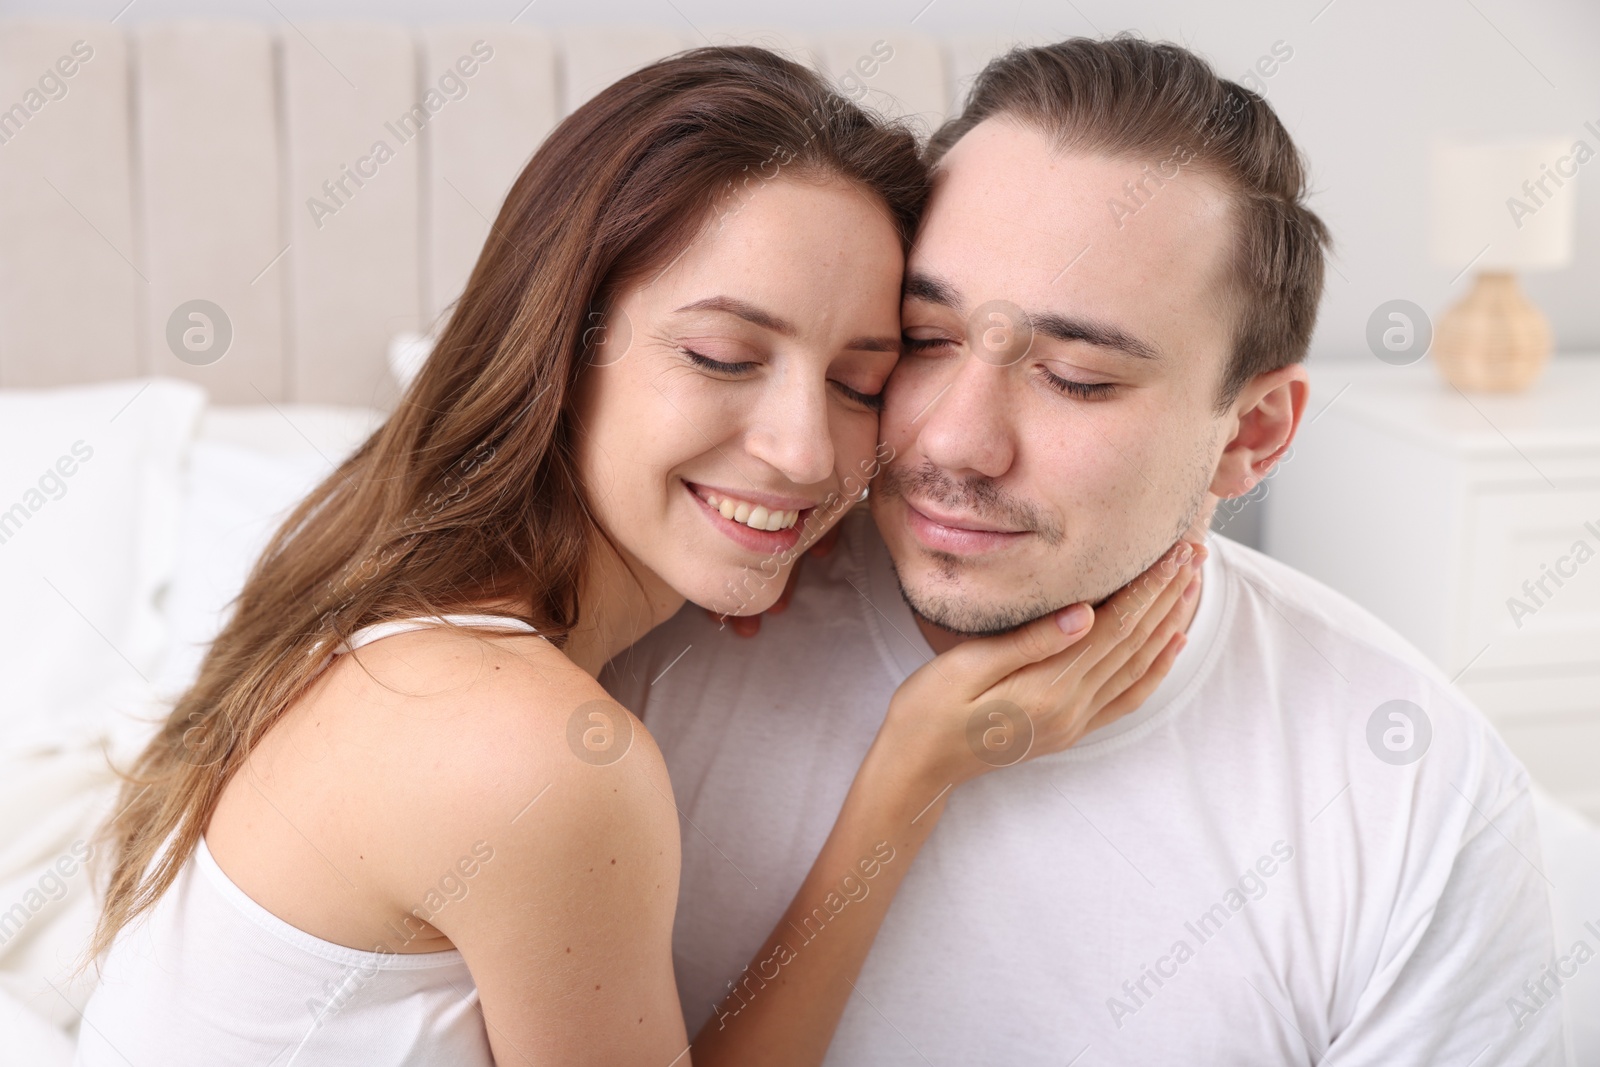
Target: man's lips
[[958, 534]]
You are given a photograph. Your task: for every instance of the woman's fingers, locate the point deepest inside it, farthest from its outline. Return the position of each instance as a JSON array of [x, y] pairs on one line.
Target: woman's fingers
[[1116, 622], [1136, 670], [1091, 703], [983, 662], [788, 589], [1133, 601], [1140, 623], [952, 708], [1137, 684], [743, 625], [825, 543]]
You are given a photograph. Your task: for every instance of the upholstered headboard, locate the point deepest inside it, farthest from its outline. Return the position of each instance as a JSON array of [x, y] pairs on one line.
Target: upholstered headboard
[[325, 185]]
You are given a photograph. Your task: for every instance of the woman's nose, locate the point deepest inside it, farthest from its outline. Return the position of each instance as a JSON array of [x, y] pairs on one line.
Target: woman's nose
[[789, 431]]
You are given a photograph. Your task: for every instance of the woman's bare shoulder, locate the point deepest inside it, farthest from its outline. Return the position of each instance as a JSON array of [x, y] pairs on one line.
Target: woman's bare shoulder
[[532, 820]]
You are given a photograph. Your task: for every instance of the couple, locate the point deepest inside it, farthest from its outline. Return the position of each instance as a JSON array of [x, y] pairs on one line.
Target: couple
[[1021, 774]]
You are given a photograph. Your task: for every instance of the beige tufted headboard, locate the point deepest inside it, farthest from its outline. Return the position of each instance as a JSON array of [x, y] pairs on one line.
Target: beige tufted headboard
[[326, 185]]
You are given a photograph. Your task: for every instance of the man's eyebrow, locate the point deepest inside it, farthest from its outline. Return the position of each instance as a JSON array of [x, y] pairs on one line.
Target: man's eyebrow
[[744, 310], [926, 287], [1099, 334], [933, 290]]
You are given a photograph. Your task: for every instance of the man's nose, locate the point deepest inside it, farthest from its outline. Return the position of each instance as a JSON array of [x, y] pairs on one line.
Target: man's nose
[[968, 428]]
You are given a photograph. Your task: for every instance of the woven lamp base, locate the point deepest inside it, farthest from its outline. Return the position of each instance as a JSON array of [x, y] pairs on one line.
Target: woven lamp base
[[1495, 340]]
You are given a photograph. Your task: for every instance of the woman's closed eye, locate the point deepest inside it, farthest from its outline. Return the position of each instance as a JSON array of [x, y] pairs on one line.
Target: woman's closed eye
[[717, 366], [743, 368], [870, 401]]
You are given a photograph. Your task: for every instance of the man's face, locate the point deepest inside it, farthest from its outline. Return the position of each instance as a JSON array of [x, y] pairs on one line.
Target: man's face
[[1029, 474]]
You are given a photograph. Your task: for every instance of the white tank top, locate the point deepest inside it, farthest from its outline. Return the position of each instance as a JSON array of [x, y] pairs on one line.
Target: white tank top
[[208, 976]]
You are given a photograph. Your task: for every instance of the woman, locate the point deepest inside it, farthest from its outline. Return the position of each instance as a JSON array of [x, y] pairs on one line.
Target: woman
[[660, 376]]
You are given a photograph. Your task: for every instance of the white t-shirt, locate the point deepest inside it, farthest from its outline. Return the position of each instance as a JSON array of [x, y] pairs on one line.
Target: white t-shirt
[[1229, 875]]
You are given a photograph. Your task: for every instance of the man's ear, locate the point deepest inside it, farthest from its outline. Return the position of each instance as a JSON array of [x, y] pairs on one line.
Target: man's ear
[[1264, 418]]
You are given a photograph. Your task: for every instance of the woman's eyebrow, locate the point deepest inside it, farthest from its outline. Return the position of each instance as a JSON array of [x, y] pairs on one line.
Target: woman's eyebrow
[[873, 344], [745, 310], [767, 320]]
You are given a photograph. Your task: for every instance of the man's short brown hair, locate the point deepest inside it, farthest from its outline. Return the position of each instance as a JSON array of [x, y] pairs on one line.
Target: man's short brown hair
[[1125, 97]]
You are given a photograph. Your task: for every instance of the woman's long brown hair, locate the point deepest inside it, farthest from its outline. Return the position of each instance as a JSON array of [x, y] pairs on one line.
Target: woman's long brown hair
[[469, 490]]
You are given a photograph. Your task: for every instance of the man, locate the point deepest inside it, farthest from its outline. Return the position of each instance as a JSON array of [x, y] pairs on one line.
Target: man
[[1305, 846]]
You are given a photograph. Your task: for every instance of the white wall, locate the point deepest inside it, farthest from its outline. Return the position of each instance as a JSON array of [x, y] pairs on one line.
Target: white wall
[[1370, 81]]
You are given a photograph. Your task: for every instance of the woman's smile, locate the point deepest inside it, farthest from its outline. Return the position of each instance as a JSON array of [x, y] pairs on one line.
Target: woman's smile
[[757, 522]]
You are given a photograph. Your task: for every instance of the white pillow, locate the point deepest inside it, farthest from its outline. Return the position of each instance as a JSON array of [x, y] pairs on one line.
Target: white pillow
[[90, 481], [248, 469], [329, 432]]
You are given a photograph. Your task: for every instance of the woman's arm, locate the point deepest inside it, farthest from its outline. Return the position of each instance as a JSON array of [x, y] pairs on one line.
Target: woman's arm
[[565, 919], [785, 1007]]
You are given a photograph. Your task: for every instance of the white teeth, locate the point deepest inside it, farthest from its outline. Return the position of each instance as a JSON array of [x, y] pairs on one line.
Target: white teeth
[[754, 516]]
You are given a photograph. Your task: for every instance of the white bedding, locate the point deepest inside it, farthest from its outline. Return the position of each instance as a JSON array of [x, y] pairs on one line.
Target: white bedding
[[150, 538], [151, 545]]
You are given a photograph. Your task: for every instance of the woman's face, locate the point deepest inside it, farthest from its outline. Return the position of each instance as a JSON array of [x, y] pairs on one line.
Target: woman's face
[[732, 405]]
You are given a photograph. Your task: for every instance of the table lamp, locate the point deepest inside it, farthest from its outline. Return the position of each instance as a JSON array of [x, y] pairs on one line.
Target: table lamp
[[1499, 206]]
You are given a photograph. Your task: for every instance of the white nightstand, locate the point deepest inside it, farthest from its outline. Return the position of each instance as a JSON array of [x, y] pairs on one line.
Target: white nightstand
[[1471, 524]]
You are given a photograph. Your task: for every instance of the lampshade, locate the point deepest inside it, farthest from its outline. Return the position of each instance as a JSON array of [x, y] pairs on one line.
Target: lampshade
[[1515, 197]]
